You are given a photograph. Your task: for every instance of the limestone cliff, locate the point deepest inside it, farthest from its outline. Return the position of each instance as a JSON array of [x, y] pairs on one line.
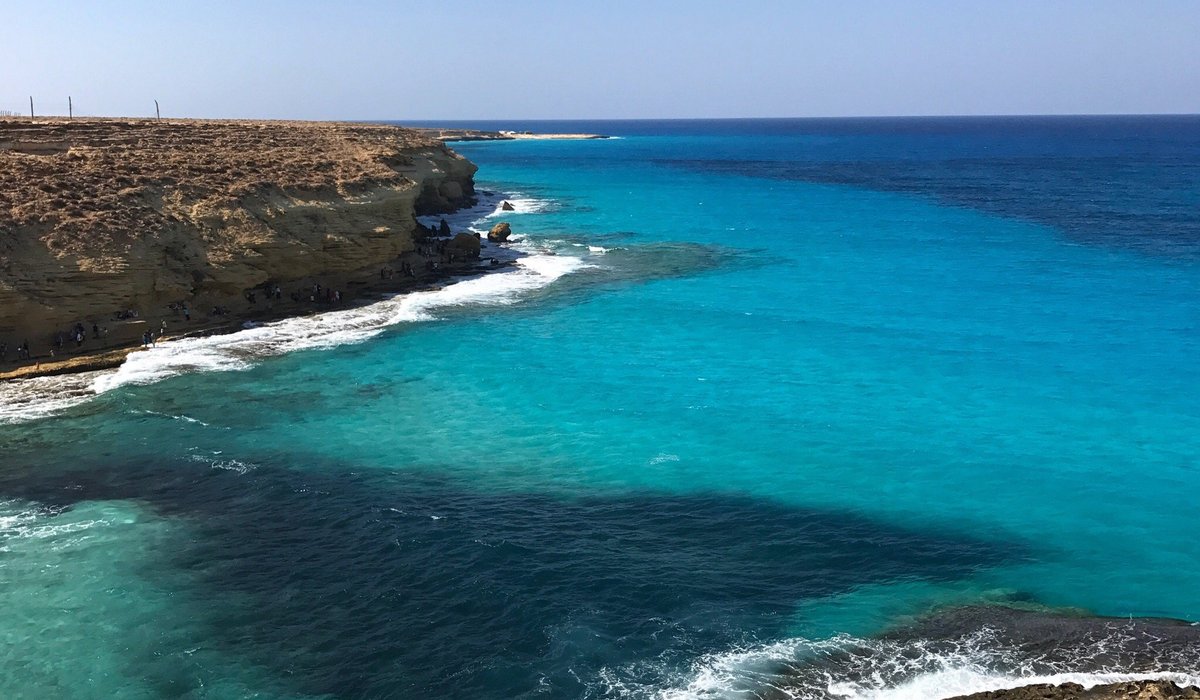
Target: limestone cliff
[[103, 215]]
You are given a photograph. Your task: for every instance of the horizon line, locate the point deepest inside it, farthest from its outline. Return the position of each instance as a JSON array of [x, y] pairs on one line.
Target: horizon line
[[1005, 115]]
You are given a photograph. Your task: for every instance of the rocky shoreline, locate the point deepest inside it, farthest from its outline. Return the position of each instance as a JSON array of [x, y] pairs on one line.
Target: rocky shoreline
[[113, 231], [949, 652], [1133, 690]]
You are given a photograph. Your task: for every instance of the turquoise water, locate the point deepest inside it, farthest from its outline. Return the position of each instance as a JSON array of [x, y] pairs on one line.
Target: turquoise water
[[757, 396]]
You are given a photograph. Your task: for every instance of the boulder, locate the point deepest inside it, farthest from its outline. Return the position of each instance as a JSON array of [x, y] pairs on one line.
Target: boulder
[[464, 244], [500, 232], [443, 228], [507, 206]]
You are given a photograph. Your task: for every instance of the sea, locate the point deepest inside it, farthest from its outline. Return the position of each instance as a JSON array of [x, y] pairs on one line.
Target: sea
[[760, 409]]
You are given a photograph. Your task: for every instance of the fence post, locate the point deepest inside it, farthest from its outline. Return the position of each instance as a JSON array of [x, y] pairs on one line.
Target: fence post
[[70, 108], [157, 114], [31, 107]]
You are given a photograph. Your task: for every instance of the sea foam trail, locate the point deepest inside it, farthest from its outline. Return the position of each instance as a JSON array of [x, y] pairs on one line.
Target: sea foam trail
[[37, 398], [846, 668]]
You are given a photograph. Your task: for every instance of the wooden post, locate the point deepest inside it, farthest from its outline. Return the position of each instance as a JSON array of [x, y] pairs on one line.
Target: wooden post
[[31, 107], [157, 114], [70, 108]]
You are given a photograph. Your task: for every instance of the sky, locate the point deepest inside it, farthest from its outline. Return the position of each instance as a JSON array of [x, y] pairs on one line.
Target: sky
[[604, 59]]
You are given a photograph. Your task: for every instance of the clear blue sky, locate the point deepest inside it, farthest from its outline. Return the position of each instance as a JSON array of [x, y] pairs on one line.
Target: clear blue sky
[[462, 59]]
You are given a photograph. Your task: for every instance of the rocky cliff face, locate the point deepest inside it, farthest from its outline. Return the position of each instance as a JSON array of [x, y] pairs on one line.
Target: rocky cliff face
[[100, 216]]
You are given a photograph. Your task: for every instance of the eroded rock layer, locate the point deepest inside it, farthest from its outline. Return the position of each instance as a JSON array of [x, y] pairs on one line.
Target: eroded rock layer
[[103, 215]]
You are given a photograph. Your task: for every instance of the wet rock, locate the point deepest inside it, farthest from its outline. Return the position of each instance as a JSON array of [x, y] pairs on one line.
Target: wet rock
[[464, 244], [500, 232], [1137, 690], [443, 228], [507, 206]]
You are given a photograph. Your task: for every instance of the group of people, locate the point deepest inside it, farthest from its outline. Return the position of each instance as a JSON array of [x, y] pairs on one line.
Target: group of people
[[22, 352], [317, 295], [388, 273], [269, 291], [78, 334]]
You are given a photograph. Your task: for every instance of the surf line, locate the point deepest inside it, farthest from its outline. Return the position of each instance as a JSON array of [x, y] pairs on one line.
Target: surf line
[[531, 268]]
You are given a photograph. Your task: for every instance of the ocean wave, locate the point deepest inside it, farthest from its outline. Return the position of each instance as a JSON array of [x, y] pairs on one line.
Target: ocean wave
[[30, 399], [26, 521], [533, 267], [1024, 648], [870, 670], [244, 349], [486, 208], [233, 465]]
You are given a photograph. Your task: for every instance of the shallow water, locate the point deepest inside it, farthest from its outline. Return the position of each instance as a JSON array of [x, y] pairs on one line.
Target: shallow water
[[754, 386]]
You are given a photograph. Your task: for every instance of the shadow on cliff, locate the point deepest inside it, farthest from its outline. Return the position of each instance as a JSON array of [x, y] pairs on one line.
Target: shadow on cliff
[[400, 585]]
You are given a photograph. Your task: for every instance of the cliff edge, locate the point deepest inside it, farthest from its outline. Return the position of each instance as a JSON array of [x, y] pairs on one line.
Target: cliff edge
[[99, 217]]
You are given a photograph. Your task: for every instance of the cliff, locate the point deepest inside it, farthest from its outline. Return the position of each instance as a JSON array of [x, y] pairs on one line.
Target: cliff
[[100, 216]]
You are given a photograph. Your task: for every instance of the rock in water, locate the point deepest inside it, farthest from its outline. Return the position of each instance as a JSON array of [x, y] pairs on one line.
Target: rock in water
[[464, 244], [443, 228], [1137, 690], [507, 206], [500, 232]]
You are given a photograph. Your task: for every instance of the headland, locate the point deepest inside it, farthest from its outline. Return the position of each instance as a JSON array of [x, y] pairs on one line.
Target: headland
[[113, 231]]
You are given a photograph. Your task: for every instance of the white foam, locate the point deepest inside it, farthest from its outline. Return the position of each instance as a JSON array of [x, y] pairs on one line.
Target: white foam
[[520, 205], [913, 670], [244, 349], [36, 398], [13, 519], [31, 399], [486, 208], [233, 465], [955, 682], [20, 521], [186, 419]]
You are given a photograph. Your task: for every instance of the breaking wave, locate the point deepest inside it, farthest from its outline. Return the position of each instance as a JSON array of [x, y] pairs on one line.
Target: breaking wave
[[532, 267], [1011, 649]]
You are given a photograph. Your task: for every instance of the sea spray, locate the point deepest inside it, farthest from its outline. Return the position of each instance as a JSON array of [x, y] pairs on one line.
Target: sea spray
[[533, 267]]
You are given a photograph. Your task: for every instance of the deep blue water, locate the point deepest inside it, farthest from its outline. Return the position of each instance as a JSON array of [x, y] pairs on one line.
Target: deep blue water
[[760, 383]]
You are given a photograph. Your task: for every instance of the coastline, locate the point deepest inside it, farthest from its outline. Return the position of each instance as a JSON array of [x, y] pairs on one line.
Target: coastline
[[363, 288], [117, 232], [452, 135], [1008, 649], [1125, 690]]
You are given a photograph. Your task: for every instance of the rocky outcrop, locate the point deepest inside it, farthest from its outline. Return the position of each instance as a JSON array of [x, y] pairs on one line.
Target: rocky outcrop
[[500, 232], [507, 206], [99, 216], [1138, 690], [465, 245]]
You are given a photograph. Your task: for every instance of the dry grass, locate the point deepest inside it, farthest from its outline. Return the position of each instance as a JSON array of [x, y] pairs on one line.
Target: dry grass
[[96, 184]]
